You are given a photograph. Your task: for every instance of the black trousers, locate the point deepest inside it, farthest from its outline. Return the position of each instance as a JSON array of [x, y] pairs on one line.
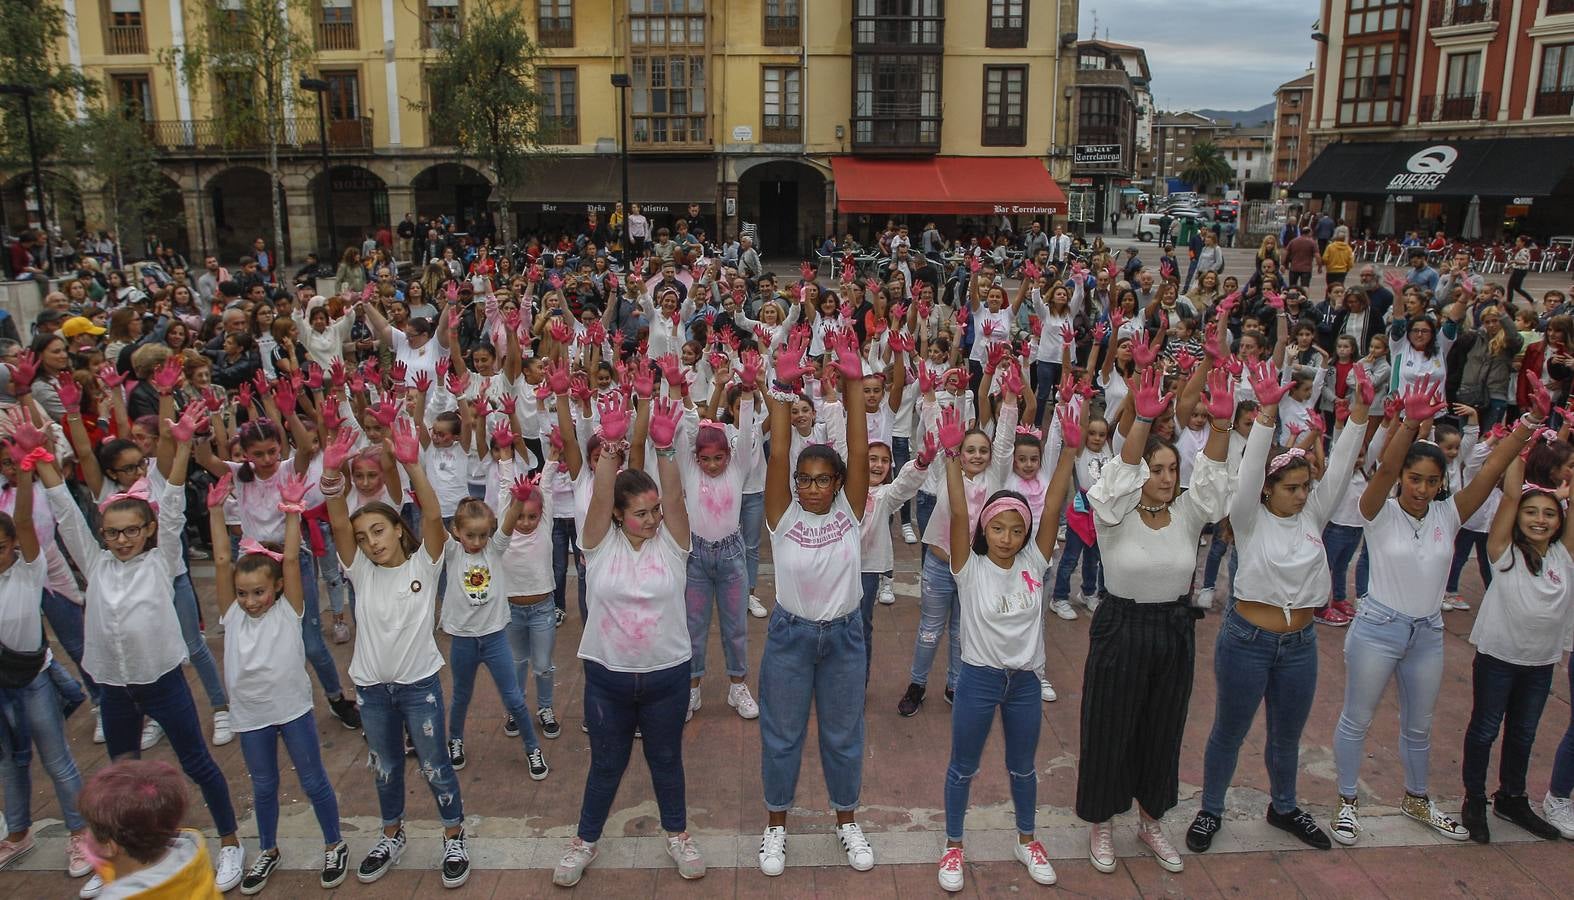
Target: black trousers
[[1135, 690]]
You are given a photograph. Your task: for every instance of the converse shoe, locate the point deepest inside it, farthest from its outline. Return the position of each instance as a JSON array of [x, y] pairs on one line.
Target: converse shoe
[[686, 854], [914, 698], [98, 726], [550, 729], [1423, 810], [152, 733], [511, 726], [456, 753], [1203, 599], [1151, 832], [756, 607], [335, 865], [1300, 823], [11, 851], [1347, 822], [1560, 814], [1518, 811], [951, 869], [773, 850], [221, 728], [456, 861], [77, 863], [1199, 837], [229, 868], [385, 853], [887, 595], [344, 709], [1036, 858], [1046, 691], [257, 876], [694, 703], [1101, 847], [859, 854], [738, 698], [908, 534], [1062, 608], [538, 764], [571, 867], [558, 618], [1473, 815]]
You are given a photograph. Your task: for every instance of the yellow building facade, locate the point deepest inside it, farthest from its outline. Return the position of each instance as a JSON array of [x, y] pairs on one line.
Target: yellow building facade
[[742, 106]]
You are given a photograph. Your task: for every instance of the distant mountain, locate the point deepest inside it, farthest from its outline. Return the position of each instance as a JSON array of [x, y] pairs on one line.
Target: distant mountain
[[1256, 116]]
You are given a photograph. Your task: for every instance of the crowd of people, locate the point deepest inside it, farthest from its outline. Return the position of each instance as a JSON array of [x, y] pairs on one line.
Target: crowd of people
[[455, 450]]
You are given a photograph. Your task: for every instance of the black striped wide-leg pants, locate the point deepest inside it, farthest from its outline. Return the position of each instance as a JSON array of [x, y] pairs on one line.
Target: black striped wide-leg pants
[[1135, 690]]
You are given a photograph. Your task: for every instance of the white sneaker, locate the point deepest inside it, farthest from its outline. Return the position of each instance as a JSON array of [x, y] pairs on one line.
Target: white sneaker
[[231, 864], [694, 703], [951, 869], [1560, 813], [886, 596], [221, 728], [1091, 601], [1036, 858], [908, 534], [1062, 608], [1204, 598], [859, 854], [93, 888], [773, 850], [739, 698], [152, 733], [756, 607], [1060, 535], [1347, 823], [98, 738], [1047, 692], [1456, 602]]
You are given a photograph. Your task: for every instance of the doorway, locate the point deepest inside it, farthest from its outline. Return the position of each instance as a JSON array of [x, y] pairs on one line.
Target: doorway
[[779, 218]]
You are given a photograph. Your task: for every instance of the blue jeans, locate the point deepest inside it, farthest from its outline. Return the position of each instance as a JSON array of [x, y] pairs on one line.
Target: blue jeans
[[1252, 667], [1464, 542], [1563, 761], [564, 542], [1383, 645], [168, 702], [41, 720], [1048, 385], [1341, 542], [716, 574], [1216, 551], [465, 656], [980, 690], [1092, 567], [616, 703], [751, 518], [333, 574], [901, 452], [260, 748], [532, 634], [808, 661], [926, 508], [1509, 697], [311, 631], [69, 621], [938, 609], [871, 589], [389, 712], [196, 646]]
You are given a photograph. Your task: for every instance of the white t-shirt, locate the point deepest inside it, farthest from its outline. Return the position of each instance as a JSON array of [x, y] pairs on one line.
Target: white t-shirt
[[527, 564], [476, 603], [1526, 619], [1002, 610], [257, 500], [265, 667], [397, 606], [21, 604], [818, 561], [638, 616], [1409, 559]]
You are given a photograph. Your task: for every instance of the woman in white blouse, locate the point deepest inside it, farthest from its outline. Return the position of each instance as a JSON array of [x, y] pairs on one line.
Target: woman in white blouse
[[1142, 646]]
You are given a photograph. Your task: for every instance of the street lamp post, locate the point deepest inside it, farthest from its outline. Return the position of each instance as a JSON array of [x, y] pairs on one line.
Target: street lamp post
[[320, 87], [620, 80], [27, 92]]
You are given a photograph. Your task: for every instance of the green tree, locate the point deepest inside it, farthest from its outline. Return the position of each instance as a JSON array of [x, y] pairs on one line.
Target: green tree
[[112, 144], [485, 101], [251, 49], [1206, 167]]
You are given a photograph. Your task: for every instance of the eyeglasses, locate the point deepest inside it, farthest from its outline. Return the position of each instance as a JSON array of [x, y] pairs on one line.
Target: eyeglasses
[[820, 481], [132, 533], [140, 465]]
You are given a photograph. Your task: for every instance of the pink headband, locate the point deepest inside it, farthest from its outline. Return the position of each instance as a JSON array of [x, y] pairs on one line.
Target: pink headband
[[1285, 458], [712, 423], [137, 491], [249, 546], [1529, 488], [1006, 504], [1030, 431]]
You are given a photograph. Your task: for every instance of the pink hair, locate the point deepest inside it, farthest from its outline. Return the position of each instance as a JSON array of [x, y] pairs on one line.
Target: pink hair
[[712, 436]]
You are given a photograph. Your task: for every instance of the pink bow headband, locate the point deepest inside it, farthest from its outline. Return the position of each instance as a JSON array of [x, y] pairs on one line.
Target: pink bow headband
[[1530, 488], [137, 491], [249, 546], [1030, 431], [1285, 458], [712, 423]]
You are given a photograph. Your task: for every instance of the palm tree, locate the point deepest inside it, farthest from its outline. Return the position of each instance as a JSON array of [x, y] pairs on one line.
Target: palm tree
[[1206, 167]]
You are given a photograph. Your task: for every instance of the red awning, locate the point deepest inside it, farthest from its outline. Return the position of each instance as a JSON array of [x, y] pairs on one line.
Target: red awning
[[947, 185]]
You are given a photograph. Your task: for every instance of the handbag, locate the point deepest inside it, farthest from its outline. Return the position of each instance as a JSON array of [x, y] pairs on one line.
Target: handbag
[[18, 668]]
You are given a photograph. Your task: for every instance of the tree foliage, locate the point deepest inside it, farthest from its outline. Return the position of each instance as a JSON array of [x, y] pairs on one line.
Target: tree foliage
[[32, 31], [113, 145], [1206, 166]]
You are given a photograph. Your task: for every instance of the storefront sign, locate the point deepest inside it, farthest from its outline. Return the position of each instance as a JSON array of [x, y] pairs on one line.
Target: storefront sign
[[1010, 209], [579, 207], [1425, 170], [1096, 155], [1524, 201]]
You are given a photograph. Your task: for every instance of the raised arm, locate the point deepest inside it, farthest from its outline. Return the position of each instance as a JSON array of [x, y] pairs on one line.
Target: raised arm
[[1500, 535], [850, 363], [333, 485], [407, 450], [22, 512], [663, 430], [1072, 429]]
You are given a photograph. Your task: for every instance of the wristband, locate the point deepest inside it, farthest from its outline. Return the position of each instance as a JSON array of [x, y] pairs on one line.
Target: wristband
[[297, 508], [667, 452], [1526, 421], [1146, 420]]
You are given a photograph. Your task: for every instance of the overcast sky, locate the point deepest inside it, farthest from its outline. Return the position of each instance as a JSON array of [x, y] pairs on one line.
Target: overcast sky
[[1214, 54]]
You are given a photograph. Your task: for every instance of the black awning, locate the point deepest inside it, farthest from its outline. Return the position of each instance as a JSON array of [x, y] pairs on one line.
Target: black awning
[[574, 184], [1500, 167]]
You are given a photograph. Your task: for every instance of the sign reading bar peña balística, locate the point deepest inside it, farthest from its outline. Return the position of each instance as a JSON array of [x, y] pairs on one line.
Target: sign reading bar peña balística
[[1096, 155]]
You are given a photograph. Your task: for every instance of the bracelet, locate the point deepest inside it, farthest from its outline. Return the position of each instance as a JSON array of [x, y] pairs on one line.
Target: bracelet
[[330, 491], [1225, 430], [1146, 420], [1526, 421], [298, 509], [667, 452], [1268, 421]]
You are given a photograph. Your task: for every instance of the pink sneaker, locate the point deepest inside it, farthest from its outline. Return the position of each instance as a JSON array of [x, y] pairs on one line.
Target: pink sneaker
[[76, 857], [11, 851]]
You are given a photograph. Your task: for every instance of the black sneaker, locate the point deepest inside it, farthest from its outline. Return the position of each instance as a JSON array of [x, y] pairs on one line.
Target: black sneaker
[[456, 861], [335, 865], [511, 727], [1298, 822], [409, 745], [257, 876], [914, 698], [382, 858], [538, 765], [548, 719], [1473, 815], [1199, 837], [1518, 811], [558, 618], [950, 697], [343, 709], [456, 753]]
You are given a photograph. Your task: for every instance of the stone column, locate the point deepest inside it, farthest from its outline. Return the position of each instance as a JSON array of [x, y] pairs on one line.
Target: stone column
[[300, 221]]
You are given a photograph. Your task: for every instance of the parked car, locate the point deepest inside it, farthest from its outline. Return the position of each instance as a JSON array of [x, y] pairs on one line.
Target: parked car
[[1148, 223]]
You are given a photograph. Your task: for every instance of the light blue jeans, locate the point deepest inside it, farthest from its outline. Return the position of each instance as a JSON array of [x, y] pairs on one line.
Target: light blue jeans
[[468, 654], [311, 629], [716, 575], [196, 646], [333, 574], [938, 610], [820, 662], [40, 708], [751, 516], [532, 633], [1381, 645]]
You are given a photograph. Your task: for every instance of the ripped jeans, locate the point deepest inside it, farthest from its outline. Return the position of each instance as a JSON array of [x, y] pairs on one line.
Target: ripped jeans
[[980, 690], [938, 611], [388, 711]]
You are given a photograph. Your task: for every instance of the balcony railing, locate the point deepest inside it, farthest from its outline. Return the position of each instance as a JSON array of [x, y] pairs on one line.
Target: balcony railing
[[781, 129], [1005, 135], [782, 31], [336, 36], [125, 39], [1554, 103], [898, 33], [1006, 32], [896, 127], [205, 136], [1458, 108], [1460, 12], [555, 31]]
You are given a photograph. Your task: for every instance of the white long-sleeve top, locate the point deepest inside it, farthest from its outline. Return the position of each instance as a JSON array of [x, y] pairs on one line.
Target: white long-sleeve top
[[1145, 564], [976, 487], [1282, 559], [875, 526], [323, 347]]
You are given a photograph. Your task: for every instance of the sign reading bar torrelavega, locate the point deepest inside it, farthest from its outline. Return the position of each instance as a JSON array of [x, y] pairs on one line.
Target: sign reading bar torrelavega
[[1096, 155]]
